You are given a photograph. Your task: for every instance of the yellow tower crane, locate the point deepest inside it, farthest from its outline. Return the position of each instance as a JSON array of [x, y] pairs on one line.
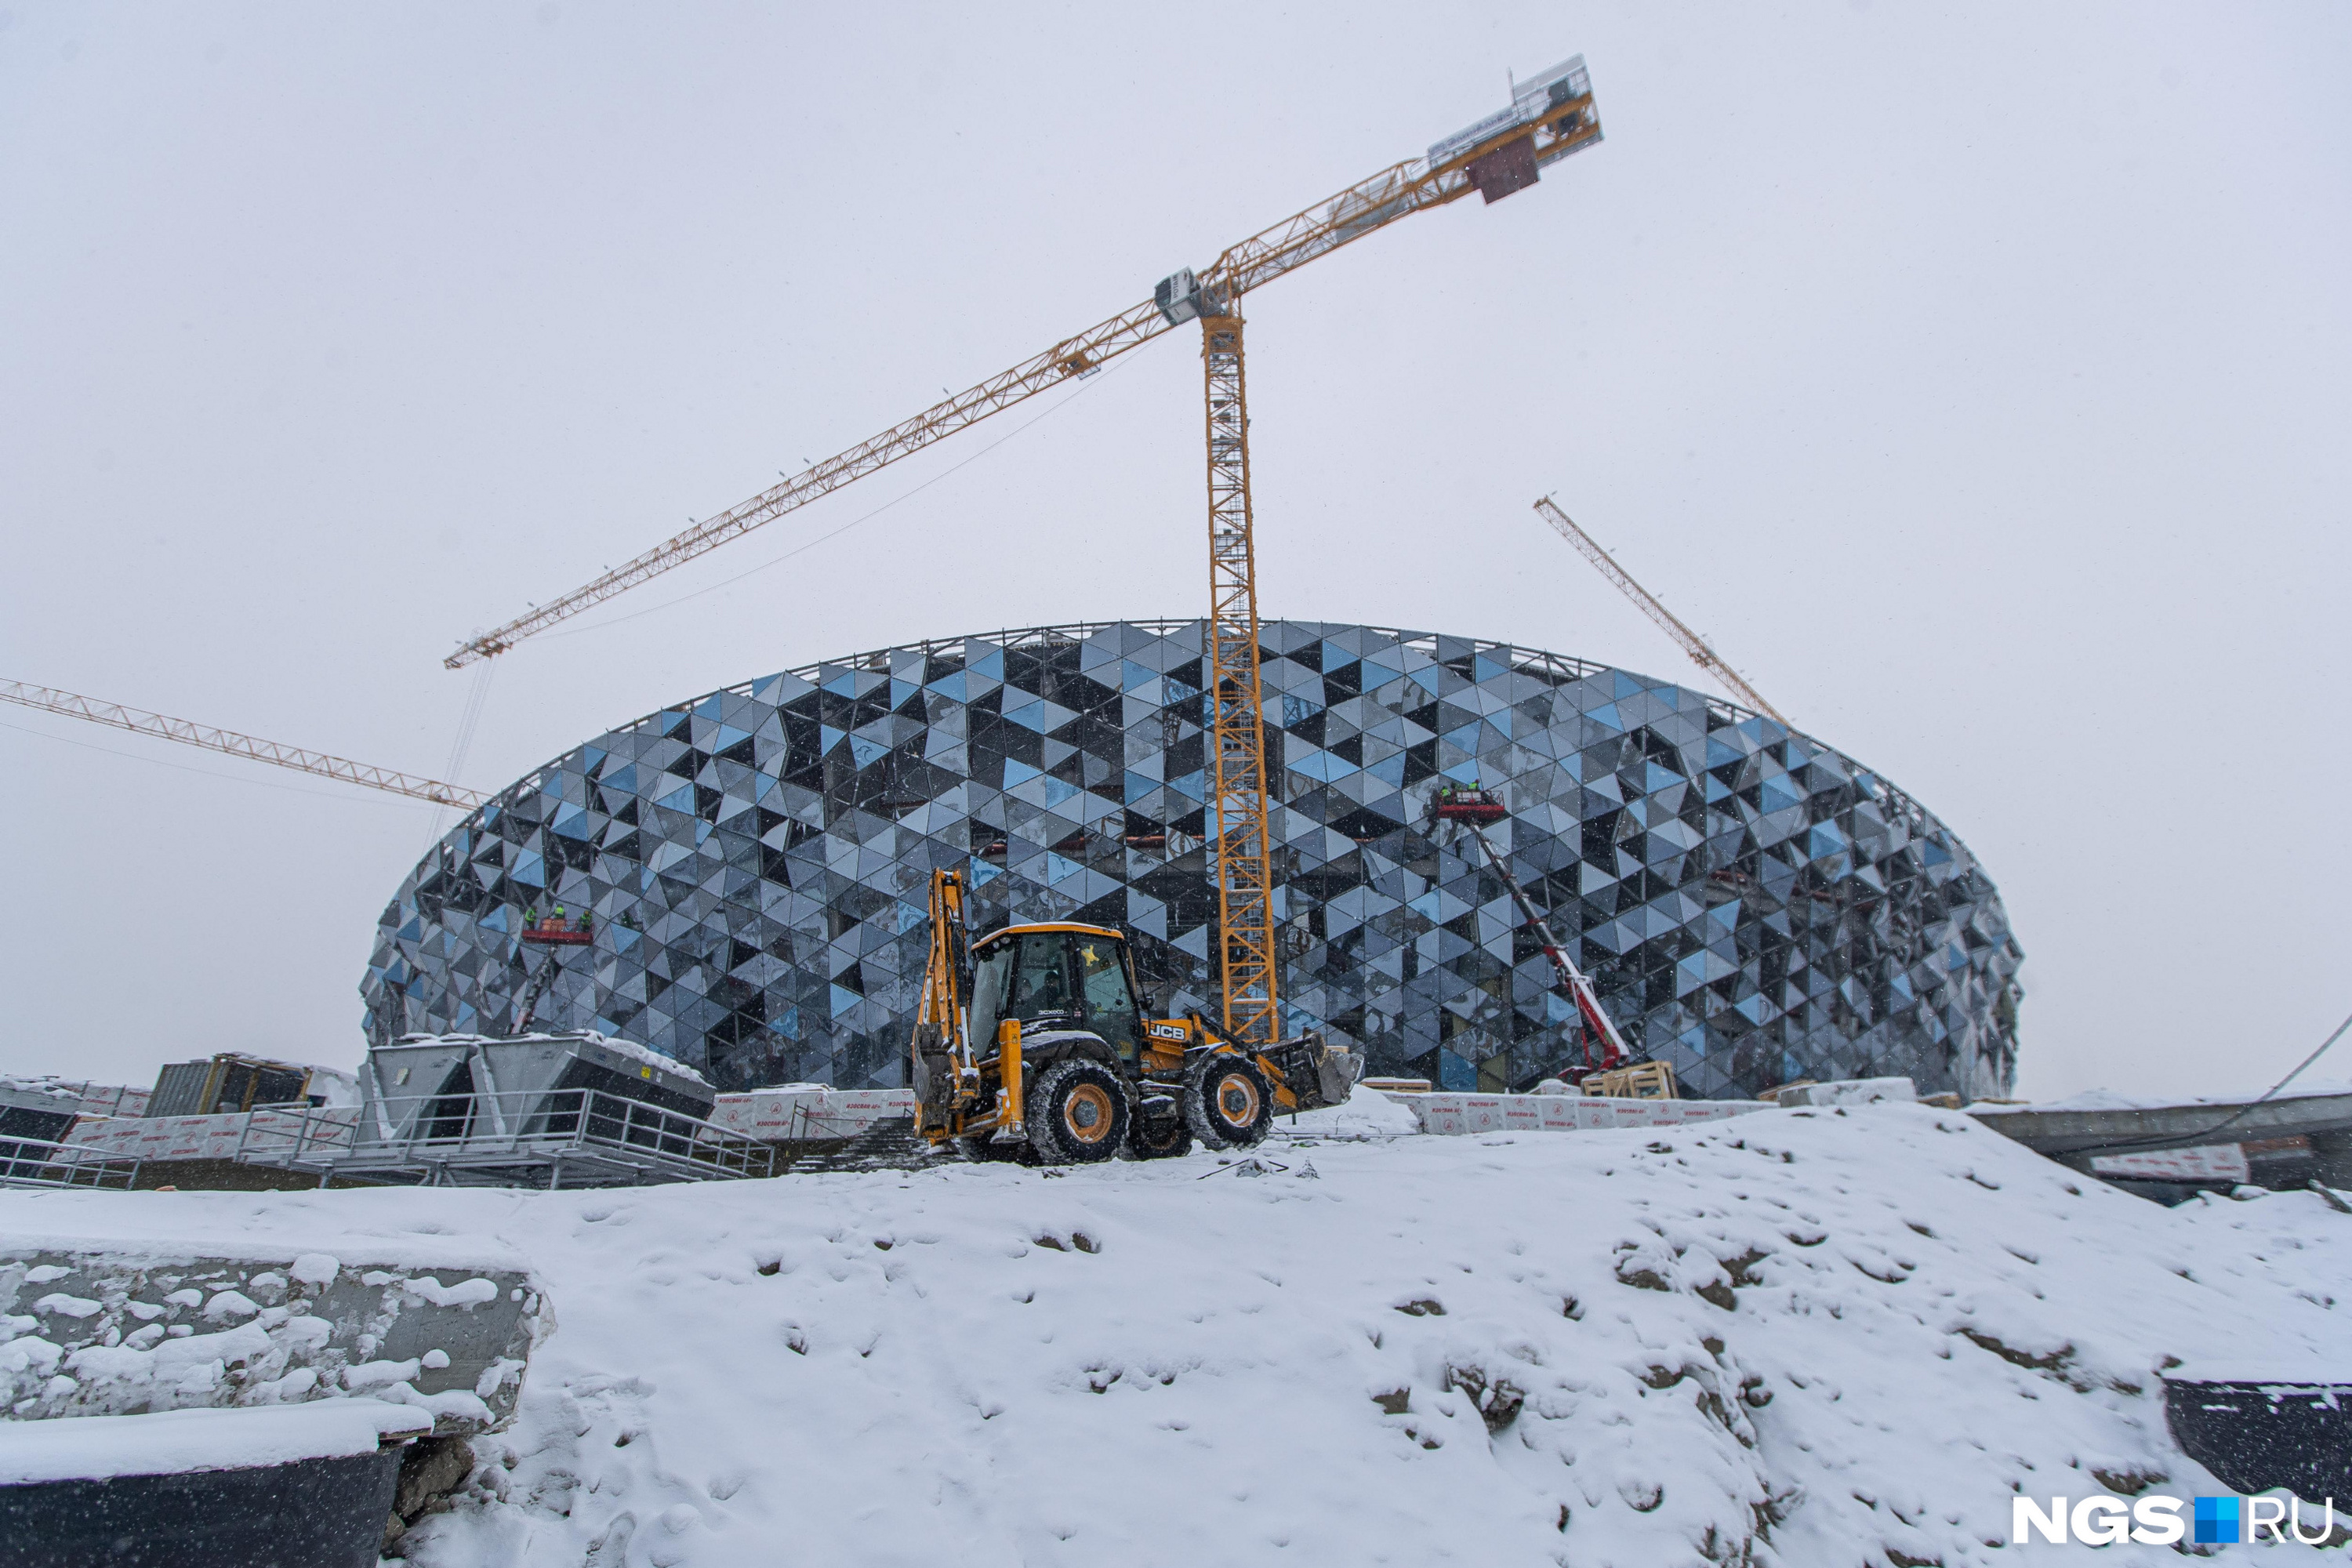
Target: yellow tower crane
[[1549, 117]]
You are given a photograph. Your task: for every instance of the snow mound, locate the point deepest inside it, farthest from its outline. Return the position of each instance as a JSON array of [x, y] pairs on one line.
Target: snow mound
[[1800, 1338], [1366, 1113]]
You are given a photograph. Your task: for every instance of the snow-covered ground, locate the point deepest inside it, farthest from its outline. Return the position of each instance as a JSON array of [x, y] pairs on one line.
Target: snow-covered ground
[[1807, 1338]]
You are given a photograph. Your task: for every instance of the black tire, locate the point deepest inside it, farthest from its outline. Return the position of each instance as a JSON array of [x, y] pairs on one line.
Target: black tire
[[1077, 1114], [1164, 1138], [1228, 1102]]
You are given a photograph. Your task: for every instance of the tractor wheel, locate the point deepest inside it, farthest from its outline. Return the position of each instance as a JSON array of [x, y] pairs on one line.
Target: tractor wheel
[[1166, 1138], [1077, 1114], [1228, 1102]]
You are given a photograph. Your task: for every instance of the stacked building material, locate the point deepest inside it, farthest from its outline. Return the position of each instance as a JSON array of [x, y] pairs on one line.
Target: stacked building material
[[805, 1112], [248, 1137], [1463, 1113]]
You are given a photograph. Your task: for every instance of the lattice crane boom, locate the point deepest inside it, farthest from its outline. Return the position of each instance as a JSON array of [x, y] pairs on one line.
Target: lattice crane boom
[[1553, 115], [1691, 643], [228, 742], [1070, 358]]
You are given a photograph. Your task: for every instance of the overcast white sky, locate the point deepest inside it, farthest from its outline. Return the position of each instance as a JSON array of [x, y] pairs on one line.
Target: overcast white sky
[[1976, 377]]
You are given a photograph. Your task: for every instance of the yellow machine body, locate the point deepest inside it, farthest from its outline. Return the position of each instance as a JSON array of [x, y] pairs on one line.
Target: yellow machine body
[[997, 1010]]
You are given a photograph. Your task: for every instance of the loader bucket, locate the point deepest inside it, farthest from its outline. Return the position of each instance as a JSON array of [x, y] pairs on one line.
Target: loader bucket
[[1318, 1073], [1336, 1072]]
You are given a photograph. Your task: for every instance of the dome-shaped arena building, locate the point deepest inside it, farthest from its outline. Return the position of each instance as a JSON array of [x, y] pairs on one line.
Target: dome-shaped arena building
[[1753, 905]]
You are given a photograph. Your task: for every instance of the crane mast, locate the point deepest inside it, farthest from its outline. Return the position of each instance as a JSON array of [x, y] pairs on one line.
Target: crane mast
[[1689, 641], [1549, 116], [228, 742], [1240, 831]]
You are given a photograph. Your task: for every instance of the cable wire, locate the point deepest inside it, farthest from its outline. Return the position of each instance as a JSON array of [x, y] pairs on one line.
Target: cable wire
[[477, 698], [206, 773], [1083, 388], [2178, 1139]]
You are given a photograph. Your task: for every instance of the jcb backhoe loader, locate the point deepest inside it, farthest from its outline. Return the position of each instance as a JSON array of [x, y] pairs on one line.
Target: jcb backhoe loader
[[1031, 1044]]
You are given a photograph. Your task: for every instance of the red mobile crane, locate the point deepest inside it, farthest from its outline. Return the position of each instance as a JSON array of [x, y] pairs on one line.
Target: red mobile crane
[[1473, 807], [554, 933]]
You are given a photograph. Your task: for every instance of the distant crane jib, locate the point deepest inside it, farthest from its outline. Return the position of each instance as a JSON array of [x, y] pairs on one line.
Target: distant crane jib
[[1689, 641], [228, 742]]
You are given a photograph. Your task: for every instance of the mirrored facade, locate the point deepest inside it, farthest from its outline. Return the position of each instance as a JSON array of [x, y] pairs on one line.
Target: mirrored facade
[[1753, 905]]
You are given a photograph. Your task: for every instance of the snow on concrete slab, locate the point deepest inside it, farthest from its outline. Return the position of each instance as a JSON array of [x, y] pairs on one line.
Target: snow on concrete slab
[[93, 1328], [1847, 1091], [1798, 1337], [98, 1447], [159, 1228], [2113, 1100], [2310, 1372]]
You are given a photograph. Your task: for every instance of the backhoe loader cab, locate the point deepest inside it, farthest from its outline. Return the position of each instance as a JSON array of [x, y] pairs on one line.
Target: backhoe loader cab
[[1066, 977], [1031, 1044]]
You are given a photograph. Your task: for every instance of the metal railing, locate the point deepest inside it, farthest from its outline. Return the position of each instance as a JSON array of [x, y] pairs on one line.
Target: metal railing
[[294, 1136], [595, 1135], [37, 1163], [524, 1137]]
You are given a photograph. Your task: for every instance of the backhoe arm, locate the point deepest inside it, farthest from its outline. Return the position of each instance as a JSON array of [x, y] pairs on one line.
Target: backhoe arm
[[943, 1069]]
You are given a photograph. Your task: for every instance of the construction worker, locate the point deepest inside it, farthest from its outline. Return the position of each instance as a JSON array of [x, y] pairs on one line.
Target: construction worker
[[530, 918], [587, 922], [559, 915]]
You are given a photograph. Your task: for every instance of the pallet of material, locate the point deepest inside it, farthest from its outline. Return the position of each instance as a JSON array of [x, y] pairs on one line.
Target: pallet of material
[[807, 1112]]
